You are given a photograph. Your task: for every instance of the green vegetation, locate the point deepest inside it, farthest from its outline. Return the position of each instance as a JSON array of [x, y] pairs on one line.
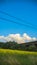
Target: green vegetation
[[17, 57], [30, 46]]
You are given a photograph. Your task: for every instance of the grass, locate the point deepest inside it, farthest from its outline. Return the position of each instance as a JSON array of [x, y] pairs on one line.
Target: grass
[[15, 57]]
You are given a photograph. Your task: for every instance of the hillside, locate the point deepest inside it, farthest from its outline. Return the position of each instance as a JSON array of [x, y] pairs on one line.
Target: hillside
[[31, 46]]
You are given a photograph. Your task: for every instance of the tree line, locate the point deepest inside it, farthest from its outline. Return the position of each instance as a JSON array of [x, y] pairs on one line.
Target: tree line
[[30, 46]]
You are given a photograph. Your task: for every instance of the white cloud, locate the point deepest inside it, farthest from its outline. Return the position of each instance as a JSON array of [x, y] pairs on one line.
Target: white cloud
[[26, 37], [34, 38], [17, 38]]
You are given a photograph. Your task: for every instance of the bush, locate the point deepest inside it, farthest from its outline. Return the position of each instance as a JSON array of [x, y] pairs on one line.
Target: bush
[[32, 48]]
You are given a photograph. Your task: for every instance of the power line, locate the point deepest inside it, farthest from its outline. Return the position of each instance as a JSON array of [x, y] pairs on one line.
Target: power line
[[12, 21], [16, 22], [29, 24]]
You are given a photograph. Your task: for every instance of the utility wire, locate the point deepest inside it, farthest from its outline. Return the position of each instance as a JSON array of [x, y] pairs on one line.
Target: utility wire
[[17, 23], [29, 24]]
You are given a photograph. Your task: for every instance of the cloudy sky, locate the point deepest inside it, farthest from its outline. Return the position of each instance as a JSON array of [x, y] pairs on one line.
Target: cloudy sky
[[17, 38], [25, 10]]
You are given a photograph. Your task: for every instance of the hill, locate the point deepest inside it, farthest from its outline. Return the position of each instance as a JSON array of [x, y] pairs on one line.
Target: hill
[[30, 46]]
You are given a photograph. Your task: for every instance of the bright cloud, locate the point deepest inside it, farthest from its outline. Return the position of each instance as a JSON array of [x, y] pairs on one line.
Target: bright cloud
[[17, 38]]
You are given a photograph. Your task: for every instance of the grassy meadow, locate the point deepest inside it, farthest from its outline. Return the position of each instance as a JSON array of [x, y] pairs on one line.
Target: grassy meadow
[[16, 57]]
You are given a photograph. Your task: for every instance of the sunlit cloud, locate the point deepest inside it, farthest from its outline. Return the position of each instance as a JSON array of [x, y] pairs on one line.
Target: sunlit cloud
[[17, 38]]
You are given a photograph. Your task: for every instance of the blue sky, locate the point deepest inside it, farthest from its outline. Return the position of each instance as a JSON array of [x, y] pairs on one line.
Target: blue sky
[[24, 10]]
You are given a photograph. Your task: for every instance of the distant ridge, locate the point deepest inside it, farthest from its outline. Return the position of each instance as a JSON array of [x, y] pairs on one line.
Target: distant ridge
[[29, 46], [32, 42]]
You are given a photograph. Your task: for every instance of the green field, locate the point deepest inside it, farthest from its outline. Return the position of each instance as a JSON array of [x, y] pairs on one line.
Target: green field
[[15, 57]]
